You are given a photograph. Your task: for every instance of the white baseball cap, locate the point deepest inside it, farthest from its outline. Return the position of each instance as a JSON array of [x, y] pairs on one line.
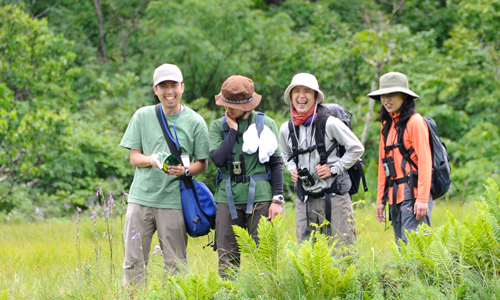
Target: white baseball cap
[[167, 72], [307, 80]]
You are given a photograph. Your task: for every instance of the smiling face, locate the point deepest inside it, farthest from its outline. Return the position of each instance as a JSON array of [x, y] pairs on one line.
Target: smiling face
[[170, 94], [393, 102], [303, 98]]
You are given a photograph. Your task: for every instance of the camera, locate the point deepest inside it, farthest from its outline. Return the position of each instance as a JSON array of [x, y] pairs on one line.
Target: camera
[[389, 169], [306, 177]]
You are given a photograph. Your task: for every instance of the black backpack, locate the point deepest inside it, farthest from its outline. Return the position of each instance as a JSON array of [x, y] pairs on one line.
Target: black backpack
[[356, 173], [441, 180]]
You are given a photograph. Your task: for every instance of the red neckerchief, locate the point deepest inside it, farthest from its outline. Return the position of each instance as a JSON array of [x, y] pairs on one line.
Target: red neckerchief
[[301, 118]]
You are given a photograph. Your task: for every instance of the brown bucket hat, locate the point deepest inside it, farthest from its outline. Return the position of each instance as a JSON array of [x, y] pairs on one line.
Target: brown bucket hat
[[238, 92], [392, 82]]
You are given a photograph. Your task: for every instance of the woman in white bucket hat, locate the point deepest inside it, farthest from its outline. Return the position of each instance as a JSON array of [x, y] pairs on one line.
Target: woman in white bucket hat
[[410, 202], [321, 184]]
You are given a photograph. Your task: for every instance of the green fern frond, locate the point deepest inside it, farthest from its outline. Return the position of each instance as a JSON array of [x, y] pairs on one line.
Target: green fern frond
[[213, 283], [180, 287], [349, 281], [297, 264], [247, 245], [322, 263], [443, 260], [490, 207], [272, 238], [197, 288]]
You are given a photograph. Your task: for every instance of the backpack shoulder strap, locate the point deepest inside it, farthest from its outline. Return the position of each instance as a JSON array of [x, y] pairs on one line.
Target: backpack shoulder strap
[[259, 122], [319, 136], [295, 143]]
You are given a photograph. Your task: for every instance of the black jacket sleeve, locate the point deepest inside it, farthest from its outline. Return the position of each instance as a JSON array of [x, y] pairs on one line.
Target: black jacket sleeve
[[276, 164], [220, 155]]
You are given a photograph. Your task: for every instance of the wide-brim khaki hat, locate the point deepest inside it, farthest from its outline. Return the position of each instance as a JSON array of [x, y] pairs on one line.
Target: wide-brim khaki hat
[[238, 92], [390, 83], [304, 79]]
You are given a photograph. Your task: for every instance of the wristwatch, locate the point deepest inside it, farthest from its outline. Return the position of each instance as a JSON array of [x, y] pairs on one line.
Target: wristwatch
[[279, 199], [186, 171], [334, 170]]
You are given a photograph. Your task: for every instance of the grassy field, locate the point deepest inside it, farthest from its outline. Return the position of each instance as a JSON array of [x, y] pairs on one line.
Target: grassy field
[[41, 260]]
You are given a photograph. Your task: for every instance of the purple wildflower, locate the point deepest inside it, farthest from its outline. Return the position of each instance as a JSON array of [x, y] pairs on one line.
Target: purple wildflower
[[427, 230], [99, 191], [262, 274], [78, 209], [495, 173], [126, 194], [66, 205], [427, 234], [37, 210], [111, 201], [104, 234], [94, 216], [466, 184], [9, 215], [135, 236], [157, 248]]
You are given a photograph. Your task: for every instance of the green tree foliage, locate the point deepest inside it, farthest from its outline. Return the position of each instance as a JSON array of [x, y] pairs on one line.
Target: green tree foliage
[[211, 40], [36, 75], [57, 88]]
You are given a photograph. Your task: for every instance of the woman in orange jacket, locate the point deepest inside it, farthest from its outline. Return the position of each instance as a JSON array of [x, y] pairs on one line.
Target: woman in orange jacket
[[405, 161]]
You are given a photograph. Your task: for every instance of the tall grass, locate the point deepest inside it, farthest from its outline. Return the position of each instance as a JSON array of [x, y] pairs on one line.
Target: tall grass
[[41, 260]]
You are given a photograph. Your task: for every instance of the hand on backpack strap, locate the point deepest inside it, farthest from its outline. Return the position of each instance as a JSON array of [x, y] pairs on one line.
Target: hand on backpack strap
[[324, 171]]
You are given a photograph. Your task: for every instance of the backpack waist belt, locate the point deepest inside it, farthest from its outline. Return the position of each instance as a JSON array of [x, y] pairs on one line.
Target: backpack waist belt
[[251, 190], [328, 208], [412, 180], [319, 194]]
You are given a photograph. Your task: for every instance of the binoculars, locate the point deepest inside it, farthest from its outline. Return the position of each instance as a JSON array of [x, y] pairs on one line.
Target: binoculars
[[306, 177]]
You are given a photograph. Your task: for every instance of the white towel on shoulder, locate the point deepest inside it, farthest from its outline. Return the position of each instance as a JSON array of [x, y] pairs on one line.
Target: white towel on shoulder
[[266, 144]]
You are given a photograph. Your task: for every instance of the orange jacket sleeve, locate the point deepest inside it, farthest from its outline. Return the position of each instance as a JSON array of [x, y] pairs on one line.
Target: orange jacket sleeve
[[381, 172]]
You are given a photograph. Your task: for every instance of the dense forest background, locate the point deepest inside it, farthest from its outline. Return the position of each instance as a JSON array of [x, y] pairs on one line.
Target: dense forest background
[[72, 73]]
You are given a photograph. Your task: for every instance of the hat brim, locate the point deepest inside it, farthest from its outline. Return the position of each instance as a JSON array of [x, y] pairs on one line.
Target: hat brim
[[248, 106], [167, 78], [288, 97], [375, 95]]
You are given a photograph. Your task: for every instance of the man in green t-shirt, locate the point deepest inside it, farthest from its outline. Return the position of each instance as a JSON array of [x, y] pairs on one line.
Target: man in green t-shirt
[[154, 202], [250, 168]]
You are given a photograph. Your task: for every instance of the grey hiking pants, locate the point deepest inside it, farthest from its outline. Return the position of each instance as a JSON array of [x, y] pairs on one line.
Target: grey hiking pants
[[342, 223], [140, 225], [406, 219]]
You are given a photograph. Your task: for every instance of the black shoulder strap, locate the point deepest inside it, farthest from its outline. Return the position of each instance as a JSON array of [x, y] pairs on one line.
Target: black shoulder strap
[[295, 143], [173, 147], [406, 153], [319, 136]]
